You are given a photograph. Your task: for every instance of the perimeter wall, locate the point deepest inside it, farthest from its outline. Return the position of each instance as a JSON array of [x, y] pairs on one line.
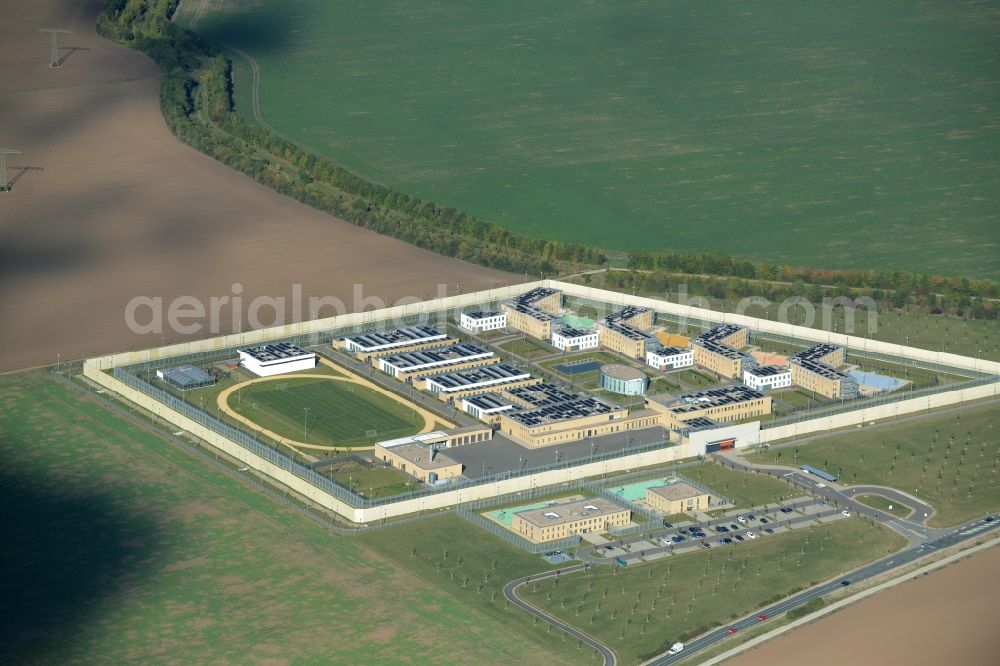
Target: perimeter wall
[[95, 370]]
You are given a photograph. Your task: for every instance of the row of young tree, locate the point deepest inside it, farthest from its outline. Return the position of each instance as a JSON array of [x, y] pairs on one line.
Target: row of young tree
[[197, 103]]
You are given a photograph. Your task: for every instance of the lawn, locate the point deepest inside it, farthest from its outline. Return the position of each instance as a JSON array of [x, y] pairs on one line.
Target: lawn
[[868, 119], [948, 460], [120, 548], [694, 378], [644, 608], [527, 348], [746, 490], [368, 479], [340, 413], [882, 504]]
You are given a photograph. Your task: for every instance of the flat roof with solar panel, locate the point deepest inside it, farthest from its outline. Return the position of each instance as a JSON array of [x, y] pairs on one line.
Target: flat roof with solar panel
[[768, 370], [699, 423], [720, 349], [816, 351], [279, 351], [720, 332], [630, 332], [532, 311], [625, 314], [540, 395], [482, 314], [671, 351], [490, 402], [724, 395], [535, 295], [821, 369], [463, 380], [562, 411], [400, 337], [570, 333], [411, 361]]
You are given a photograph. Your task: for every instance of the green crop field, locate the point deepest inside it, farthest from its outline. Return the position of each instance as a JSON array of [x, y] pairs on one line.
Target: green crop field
[[950, 460], [120, 548], [340, 413], [644, 608], [859, 134], [746, 490]]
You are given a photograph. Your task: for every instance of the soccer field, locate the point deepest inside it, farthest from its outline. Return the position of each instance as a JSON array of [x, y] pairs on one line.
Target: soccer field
[[339, 413], [855, 134]]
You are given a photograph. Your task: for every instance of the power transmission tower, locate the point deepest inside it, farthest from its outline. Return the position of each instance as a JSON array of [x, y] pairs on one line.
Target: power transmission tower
[[55, 32], [4, 152]]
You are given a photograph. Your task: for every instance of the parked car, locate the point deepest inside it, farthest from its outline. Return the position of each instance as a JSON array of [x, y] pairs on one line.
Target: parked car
[[706, 544], [726, 540], [751, 517], [609, 547], [785, 509], [667, 525], [677, 539], [742, 519], [751, 535], [769, 530], [846, 512], [721, 528], [734, 526], [738, 537], [764, 521]]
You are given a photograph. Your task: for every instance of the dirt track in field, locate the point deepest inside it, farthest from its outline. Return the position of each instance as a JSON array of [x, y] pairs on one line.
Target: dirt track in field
[[112, 206], [946, 617]]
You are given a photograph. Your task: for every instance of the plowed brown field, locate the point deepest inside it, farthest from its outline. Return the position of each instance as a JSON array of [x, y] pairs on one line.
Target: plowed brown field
[[113, 207]]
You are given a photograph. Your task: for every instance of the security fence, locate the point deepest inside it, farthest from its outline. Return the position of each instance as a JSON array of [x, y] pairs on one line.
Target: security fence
[[508, 536], [278, 458]]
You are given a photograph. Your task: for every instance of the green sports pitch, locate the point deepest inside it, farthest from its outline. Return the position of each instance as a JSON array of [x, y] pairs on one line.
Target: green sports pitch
[[339, 413], [855, 134]]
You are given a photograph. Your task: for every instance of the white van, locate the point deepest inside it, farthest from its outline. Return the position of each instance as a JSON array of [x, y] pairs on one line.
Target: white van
[[675, 648]]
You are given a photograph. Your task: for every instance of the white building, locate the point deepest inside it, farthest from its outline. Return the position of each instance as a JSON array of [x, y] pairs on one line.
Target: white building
[[768, 377], [477, 322], [486, 405], [475, 379], [276, 359], [670, 358], [575, 339]]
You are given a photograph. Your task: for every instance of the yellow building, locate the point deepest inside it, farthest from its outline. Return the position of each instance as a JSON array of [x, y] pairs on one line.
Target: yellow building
[[420, 455], [677, 497], [534, 312], [723, 404], [559, 521], [721, 359], [623, 331], [729, 335], [823, 380]]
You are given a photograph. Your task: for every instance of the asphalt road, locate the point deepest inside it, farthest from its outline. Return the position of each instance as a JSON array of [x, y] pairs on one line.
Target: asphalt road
[[967, 531], [510, 592]]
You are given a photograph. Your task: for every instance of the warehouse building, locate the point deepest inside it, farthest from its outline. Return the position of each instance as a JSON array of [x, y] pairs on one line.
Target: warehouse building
[[575, 339], [721, 359], [408, 338], [677, 497], [477, 322], [276, 359], [623, 379], [535, 312], [573, 420], [670, 358], [412, 365], [768, 377], [559, 521]]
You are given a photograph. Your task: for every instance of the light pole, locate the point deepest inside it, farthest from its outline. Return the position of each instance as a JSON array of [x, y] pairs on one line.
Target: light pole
[[305, 422]]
